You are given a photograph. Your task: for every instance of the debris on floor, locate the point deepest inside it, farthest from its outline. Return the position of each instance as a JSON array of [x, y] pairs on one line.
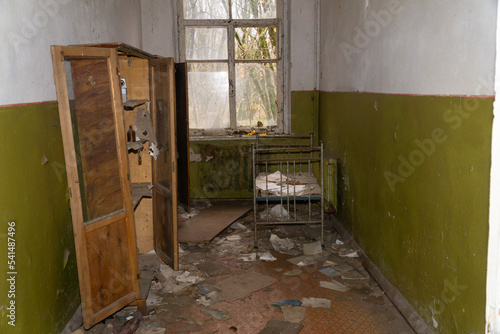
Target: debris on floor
[[291, 283], [289, 302], [275, 212], [238, 287], [293, 314], [334, 285], [281, 327], [330, 272], [283, 246], [312, 248], [266, 257], [219, 315], [316, 302], [294, 272]]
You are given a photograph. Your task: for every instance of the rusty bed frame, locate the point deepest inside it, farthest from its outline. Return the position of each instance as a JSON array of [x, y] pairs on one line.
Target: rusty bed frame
[[293, 165]]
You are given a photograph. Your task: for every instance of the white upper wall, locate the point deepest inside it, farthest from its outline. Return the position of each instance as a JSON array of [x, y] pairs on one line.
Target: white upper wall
[[159, 36], [159, 23], [408, 47], [303, 45], [29, 27]]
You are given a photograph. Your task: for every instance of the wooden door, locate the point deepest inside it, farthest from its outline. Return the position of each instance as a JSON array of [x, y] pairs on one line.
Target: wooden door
[[165, 166], [92, 125]]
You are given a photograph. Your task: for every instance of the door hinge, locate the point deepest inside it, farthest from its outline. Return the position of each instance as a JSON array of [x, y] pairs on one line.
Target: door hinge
[[69, 192], [173, 167]]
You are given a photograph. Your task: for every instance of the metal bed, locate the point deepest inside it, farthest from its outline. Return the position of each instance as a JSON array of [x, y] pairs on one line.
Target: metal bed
[[284, 179]]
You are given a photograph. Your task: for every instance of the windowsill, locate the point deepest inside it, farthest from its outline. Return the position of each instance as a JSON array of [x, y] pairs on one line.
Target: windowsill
[[244, 137]]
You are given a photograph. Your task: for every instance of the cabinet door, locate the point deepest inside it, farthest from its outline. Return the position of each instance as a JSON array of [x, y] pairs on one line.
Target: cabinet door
[[92, 125], [165, 166]]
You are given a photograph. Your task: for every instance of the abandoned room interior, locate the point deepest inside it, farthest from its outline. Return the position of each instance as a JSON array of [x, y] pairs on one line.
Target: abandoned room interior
[[249, 166]]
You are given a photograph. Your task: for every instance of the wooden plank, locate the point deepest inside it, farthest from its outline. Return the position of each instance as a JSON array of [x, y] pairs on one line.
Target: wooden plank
[[136, 72], [140, 190], [205, 226], [123, 48], [144, 225], [97, 137], [108, 261], [165, 167]]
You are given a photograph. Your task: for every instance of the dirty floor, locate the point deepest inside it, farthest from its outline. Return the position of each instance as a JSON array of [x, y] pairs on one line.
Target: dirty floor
[[227, 286]]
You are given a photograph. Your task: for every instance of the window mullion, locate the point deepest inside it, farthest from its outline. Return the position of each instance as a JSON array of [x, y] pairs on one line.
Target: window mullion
[[232, 75]]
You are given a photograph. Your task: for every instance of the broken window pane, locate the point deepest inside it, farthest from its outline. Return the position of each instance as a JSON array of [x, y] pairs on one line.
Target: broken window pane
[[255, 43], [208, 95], [206, 9], [254, 9], [206, 43], [256, 94]]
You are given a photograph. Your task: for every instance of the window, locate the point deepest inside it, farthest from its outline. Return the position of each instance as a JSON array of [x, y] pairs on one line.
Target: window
[[234, 55]]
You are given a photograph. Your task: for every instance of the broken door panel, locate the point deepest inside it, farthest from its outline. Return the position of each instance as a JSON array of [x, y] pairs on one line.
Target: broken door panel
[[91, 118], [165, 166]]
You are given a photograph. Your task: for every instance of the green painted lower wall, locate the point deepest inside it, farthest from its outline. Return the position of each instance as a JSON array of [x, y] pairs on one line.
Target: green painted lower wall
[[414, 192], [33, 195], [222, 169], [304, 115]]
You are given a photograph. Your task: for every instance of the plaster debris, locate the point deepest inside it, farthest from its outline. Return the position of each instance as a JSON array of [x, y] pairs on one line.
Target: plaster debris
[[307, 260], [328, 263], [275, 212], [289, 302], [242, 285], [316, 302], [275, 326], [334, 285], [353, 274], [248, 257], [312, 248], [293, 314], [238, 226], [181, 213], [234, 237], [348, 253], [186, 277], [210, 298], [343, 267], [194, 157], [282, 245], [330, 272], [295, 272], [219, 315], [266, 257]]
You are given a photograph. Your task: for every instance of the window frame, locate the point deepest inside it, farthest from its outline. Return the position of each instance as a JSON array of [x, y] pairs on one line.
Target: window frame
[[283, 55]]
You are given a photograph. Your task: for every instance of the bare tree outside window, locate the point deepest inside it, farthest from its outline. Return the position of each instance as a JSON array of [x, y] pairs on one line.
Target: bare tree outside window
[[232, 49]]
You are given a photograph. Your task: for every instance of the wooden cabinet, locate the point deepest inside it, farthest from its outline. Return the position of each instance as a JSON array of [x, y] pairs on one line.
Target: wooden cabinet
[[107, 180]]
